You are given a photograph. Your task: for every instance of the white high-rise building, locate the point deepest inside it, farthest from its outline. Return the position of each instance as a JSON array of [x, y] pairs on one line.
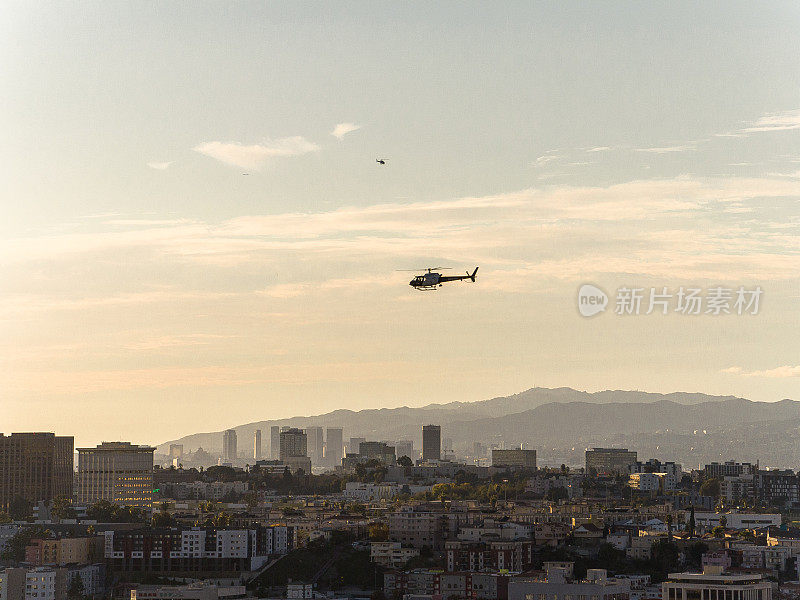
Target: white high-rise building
[[257, 444]]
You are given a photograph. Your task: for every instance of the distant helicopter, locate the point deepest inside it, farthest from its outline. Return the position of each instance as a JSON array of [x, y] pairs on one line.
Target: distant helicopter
[[431, 280], [381, 161]]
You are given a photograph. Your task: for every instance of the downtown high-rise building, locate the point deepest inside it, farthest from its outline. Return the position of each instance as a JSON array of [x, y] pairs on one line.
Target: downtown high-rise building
[[404, 448], [257, 444], [35, 467], [119, 472], [274, 442], [316, 445], [333, 446], [294, 450], [431, 442], [354, 445], [229, 445]]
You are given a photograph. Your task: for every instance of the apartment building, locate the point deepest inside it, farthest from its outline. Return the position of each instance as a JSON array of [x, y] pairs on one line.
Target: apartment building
[[196, 549], [391, 554], [494, 556]]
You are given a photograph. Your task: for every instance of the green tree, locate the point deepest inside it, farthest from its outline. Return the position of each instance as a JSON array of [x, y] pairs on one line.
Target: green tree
[[62, 508], [710, 487], [251, 500], [162, 519], [75, 591], [19, 508], [694, 553], [554, 494], [405, 461], [691, 524], [664, 555], [104, 511], [379, 532], [5, 517], [15, 546]]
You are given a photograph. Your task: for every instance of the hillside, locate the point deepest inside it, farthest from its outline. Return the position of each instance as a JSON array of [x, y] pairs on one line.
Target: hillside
[[561, 410]]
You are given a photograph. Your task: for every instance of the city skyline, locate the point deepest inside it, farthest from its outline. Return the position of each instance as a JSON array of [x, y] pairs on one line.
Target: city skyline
[[197, 231]]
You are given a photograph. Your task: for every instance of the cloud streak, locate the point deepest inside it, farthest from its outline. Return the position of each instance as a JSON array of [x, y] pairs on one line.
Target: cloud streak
[[779, 121], [776, 373], [255, 156]]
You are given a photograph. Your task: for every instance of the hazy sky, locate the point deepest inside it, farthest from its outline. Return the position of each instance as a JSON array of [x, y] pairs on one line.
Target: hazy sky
[[150, 289]]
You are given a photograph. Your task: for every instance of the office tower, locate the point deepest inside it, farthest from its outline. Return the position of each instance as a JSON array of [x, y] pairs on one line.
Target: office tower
[[119, 472], [379, 451], [294, 450], [229, 445], [315, 444], [257, 444], [354, 444], [333, 446], [294, 442], [518, 459], [610, 460], [431, 442], [274, 442], [404, 448], [34, 467]]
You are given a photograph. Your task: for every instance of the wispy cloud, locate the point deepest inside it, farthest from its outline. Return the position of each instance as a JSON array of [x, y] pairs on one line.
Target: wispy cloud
[[342, 129], [255, 156], [666, 227], [599, 149], [159, 166], [780, 121], [667, 149], [547, 157], [777, 372]]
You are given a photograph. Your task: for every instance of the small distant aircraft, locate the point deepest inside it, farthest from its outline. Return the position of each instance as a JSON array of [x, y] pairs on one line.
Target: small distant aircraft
[[431, 280], [381, 161]]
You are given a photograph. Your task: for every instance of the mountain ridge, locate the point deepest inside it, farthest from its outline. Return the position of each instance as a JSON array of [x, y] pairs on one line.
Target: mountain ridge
[[400, 422]]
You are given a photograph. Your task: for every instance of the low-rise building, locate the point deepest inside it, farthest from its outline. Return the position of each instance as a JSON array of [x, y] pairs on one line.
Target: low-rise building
[[391, 554], [371, 492], [514, 459], [656, 483], [706, 521], [194, 591], [556, 586], [492, 556], [716, 584]]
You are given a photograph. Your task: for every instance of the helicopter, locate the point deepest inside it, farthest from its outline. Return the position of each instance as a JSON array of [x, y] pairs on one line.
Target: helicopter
[[431, 280]]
